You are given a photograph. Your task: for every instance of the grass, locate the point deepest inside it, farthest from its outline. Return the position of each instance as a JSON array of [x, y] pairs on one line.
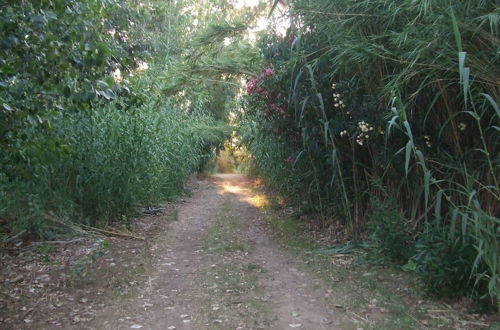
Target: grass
[[232, 294], [292, 233]]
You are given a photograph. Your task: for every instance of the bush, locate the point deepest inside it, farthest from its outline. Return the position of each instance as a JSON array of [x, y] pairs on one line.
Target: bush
[[445, 265], [389, 232]]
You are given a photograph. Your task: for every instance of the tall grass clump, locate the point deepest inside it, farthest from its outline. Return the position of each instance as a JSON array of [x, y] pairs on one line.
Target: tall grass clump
[[372, 101], [112, 162], [88, 132]]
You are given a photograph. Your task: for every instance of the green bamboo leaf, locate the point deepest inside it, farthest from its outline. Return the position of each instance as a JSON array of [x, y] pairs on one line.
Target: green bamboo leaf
[[493, 104], [427, 179], [461, 65], [437, 208], [304, 135], [334, 160], [408, 130], [296, 82], [408, 150], [311, 76], [456, 30], [421, 159], [298, 157], [321, 105], [465, 85], [304, 103], [326, 129], [296, 43], [453, 222], [392, 123], [465, 223]]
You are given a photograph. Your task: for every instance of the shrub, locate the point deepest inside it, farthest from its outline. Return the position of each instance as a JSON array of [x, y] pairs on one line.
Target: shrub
[[445, 265], [389, 231]]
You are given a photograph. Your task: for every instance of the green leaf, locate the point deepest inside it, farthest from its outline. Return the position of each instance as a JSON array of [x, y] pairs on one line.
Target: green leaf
[[297, 158], [304, 103], [493, 104], [427, 179], [408, 130], [326, 130], [456, 30], [410, 266], [311, 76], [321, 105], [66, 91], [437, 209], [7, 107], [465, 86], [408, 150], [461, 64], [334, 160]]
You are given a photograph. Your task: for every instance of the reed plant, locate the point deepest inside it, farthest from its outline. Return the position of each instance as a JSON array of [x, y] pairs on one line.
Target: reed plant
[[399, 95], [113, 162]]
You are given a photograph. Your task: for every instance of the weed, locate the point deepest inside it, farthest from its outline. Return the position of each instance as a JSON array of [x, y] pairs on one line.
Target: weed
[[45, 251]]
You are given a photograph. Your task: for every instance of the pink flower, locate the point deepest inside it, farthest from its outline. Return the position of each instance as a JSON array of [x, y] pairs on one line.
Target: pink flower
[[272, 106], [290, 160], [268, 72]]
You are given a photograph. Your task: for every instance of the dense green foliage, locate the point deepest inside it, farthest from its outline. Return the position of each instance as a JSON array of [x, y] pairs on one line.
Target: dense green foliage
[[88, 132], [382, 115], [366, 103]]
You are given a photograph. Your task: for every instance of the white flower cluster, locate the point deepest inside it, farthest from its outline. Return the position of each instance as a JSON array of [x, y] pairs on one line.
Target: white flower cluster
[[344, 132], [363, 136], [337, 99], [462, 126], [427, 139]]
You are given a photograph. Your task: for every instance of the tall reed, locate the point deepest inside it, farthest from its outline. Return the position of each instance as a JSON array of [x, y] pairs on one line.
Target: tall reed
[[401, 96]]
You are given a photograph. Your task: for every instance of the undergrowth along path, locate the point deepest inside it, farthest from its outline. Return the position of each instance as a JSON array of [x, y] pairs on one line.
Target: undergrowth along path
[[219, 268]]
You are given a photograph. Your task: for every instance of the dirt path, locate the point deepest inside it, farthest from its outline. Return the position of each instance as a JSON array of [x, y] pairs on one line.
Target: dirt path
[[213, 261], [198, 281], [291, 297]]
